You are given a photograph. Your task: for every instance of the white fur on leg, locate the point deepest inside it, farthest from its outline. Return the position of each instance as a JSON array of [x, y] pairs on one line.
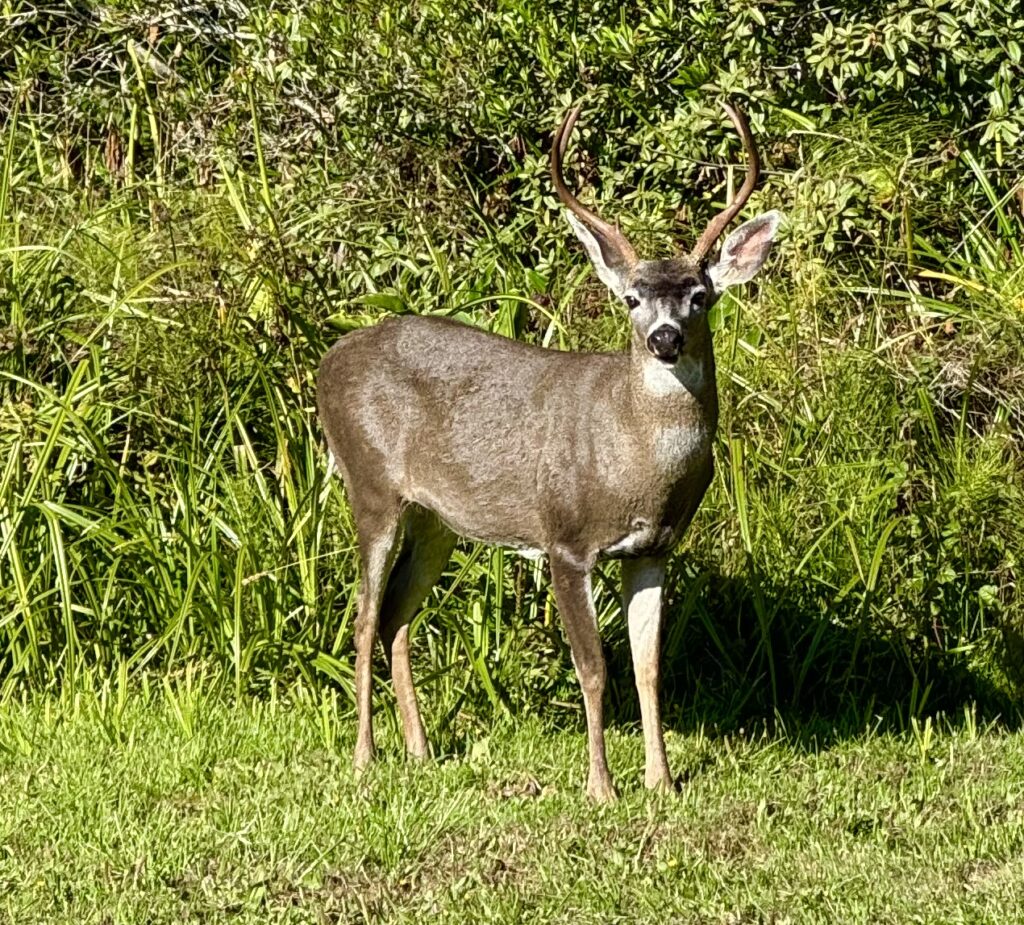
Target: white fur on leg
[[642, 582]]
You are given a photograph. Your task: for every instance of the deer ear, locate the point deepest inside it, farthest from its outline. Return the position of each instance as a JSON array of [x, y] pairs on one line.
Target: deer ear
[[612, 275], [745, 251]]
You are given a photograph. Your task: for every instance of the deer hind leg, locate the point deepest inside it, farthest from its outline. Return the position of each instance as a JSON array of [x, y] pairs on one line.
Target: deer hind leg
[[642, 581], [571, 582], [377, 529], [426, 548]]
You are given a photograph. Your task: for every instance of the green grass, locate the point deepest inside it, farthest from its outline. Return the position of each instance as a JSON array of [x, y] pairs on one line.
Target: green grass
[[171, 804]]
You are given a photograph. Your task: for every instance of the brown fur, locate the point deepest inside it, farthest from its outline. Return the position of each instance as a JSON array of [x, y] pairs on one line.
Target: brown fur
[[440, 429]]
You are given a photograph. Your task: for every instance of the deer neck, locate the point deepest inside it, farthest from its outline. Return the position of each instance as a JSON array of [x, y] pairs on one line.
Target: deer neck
[[674, 408], [687, 387]]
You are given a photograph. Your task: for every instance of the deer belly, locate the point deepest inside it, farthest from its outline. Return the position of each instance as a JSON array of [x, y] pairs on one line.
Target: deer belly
[[644, 539]]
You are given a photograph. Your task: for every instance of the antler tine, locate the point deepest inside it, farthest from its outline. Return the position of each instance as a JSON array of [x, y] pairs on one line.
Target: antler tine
[[719, 223], [616, 250]]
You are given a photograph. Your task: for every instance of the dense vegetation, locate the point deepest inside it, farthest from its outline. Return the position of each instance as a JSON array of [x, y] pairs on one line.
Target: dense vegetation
[[196, 198]]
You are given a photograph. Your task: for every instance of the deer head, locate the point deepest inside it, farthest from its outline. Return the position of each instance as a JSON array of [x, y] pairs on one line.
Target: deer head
[[668, 300]]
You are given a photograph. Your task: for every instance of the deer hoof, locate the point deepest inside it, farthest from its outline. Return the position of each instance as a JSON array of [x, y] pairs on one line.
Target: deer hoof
[[363, 758], [660, 783], [602, 791]]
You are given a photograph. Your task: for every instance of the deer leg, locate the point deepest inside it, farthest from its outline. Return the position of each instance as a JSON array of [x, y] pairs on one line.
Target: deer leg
[[376, 549], [642, 581], [571, 581], [426, 549]]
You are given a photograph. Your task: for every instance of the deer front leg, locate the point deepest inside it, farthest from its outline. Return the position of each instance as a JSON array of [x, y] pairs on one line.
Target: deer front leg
[[642, 581], [571, 581]]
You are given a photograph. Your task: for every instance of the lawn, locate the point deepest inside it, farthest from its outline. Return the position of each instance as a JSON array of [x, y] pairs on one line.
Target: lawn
[[170, 804]]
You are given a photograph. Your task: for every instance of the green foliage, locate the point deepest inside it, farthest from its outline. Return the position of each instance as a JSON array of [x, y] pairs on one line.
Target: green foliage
[[194, 201]]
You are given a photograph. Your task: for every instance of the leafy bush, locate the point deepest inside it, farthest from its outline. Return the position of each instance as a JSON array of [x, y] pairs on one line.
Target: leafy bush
[[196, 198]]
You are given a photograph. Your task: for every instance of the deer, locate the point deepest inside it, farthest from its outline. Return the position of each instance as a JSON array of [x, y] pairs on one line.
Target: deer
[[441, 430]]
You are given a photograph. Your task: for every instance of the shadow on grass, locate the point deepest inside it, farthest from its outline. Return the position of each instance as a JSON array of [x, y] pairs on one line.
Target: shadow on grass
[[737, 652], [744, 651]]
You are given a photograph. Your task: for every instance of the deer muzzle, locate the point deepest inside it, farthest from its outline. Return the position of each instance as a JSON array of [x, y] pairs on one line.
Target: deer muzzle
[[665, 342]]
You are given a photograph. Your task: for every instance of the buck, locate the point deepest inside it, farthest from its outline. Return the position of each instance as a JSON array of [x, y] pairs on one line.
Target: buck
[[441, 430]]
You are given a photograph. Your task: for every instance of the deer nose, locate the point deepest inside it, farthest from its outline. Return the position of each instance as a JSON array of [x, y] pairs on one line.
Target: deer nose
[[665, 343]]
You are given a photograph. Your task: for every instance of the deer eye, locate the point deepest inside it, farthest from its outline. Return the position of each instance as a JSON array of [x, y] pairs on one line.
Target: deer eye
[[698, 300], [631, 302]]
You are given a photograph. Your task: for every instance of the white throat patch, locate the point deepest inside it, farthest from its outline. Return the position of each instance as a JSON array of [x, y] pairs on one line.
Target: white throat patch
[[686, 375]]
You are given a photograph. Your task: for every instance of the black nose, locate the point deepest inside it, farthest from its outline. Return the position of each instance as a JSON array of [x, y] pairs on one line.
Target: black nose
[[665, 343]]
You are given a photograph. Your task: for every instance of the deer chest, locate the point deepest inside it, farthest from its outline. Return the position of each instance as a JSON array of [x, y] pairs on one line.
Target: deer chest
[[680, 448], [644, 539], [652, 513]]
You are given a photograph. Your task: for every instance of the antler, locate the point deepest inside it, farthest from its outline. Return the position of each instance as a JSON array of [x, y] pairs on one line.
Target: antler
[[615, 249], [719, 223]]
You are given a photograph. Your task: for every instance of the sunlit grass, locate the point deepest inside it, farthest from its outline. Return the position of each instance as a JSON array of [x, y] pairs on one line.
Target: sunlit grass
[[174, 803]]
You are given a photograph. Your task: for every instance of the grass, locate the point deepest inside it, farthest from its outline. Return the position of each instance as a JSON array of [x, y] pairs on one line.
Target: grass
[[164, 493], [174, 804]]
